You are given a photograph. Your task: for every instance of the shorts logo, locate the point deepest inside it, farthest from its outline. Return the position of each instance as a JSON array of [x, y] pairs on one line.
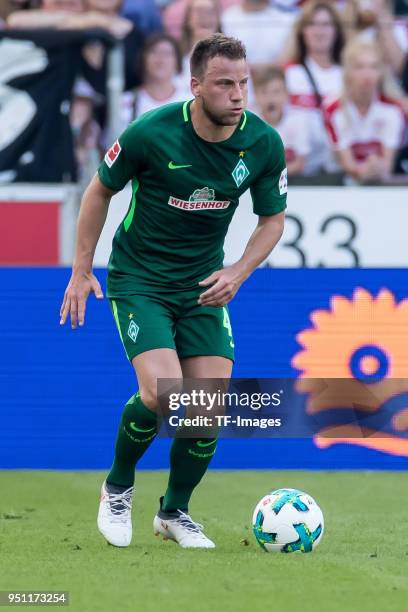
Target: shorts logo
[[283, 182], [133, 330], [112, 154], [240, 173], [200, 199]]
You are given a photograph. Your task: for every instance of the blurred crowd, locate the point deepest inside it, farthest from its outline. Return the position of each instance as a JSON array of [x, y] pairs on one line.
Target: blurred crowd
[[331, 76]]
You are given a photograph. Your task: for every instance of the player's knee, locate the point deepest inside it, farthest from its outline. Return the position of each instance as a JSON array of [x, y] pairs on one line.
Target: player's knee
[[157, 396], [148, 395]]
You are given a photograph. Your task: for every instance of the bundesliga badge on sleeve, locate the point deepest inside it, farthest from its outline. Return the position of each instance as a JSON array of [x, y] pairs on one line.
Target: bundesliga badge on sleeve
[[112, 154], [283, 182]]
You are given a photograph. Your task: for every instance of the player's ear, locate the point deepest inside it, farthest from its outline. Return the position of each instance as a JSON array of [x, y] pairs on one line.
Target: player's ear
[[195, 86]]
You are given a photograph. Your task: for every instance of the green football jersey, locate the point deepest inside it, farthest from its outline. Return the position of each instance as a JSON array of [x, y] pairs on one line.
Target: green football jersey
[[184, 193]]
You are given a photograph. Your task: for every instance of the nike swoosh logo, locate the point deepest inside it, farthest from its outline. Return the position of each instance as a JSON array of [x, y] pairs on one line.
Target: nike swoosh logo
[[172, 166], [133, 426], [199, 443]]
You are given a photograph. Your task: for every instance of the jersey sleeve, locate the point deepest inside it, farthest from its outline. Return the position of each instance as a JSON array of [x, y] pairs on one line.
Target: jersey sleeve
[[125, 159], [269, 191]]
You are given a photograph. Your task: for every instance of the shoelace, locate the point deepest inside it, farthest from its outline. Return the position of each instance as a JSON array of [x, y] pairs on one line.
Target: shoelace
[[187, 522], [120, 503]]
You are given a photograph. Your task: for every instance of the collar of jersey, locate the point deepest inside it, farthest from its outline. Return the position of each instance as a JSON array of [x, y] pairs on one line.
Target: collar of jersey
[[187, 119]]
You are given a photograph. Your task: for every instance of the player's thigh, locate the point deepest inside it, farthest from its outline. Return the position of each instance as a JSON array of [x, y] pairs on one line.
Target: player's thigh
[[158, 373], [205, 331], [144, 323], [206, 350], [206, 366]]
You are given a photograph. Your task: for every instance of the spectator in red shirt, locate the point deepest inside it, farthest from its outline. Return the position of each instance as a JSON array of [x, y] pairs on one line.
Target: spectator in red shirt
[[364, 127], [273, 106], [315, 77]]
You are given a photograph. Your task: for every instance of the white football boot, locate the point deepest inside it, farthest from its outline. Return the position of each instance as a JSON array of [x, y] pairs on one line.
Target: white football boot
[[180, 527], [114, 516]]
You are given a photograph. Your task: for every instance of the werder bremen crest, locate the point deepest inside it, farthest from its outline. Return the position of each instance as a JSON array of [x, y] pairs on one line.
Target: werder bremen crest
[[240, 173], [133, 330]]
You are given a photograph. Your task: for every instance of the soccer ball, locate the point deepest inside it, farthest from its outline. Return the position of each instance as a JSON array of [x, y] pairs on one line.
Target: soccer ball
[[288, 520]]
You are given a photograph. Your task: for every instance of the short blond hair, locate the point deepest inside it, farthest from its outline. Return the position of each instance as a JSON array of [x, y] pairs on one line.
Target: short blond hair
[[354, 49]]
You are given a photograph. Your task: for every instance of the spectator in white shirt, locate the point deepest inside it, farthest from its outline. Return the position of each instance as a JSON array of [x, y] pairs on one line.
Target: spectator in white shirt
[[365, 128], [174, 11], [264, 29], [316, 75], [273, 106], [201, 19], [161, 63]]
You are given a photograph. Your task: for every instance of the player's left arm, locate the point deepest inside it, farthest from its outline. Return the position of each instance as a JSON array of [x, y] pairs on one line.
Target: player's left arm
[[269, 202]]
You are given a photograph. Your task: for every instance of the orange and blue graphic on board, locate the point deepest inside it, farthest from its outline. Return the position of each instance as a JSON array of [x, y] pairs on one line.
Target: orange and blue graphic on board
[[354, 359]]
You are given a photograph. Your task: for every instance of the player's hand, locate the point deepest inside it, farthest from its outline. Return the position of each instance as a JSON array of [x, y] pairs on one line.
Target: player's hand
[[225, 284], [79, 287]]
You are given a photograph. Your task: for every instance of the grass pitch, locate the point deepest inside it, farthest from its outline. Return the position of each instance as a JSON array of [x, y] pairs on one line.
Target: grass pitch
[[49, 541]]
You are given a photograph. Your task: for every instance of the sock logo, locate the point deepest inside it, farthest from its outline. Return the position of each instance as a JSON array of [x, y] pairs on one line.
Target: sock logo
[[201, 443], [201, 455], [133, 426], [145, 431], [133, 330]]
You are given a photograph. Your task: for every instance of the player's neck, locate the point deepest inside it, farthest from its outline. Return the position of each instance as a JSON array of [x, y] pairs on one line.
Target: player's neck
[[205, 128]]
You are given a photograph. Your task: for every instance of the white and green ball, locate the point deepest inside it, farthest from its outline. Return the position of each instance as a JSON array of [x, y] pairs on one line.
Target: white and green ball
[[288, 520]]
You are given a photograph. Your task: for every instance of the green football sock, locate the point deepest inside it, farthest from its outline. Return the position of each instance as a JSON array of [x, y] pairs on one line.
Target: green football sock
[[189, 460], [137, 430]]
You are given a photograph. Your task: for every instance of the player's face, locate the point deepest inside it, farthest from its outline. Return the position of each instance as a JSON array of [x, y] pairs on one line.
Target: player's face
[[223, 90], [161, 61], [320, 33], [364, 73], [271, 97]]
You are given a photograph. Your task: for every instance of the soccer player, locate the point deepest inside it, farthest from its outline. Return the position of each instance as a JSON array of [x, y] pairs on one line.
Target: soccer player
[[189, 163]]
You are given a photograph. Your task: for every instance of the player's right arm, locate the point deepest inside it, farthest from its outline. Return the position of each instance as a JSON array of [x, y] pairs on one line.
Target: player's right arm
[[123, 161], [92, 217]]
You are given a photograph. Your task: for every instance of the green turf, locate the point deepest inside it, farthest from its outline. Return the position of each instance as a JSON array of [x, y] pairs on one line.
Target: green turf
[[48, 540]]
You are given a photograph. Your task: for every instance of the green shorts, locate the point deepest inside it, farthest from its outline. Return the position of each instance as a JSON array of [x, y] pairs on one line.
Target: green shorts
[[175, 321]]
